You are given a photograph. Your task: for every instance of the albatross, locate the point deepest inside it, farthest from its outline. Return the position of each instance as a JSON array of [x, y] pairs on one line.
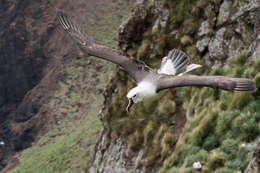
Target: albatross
[[150, 81]]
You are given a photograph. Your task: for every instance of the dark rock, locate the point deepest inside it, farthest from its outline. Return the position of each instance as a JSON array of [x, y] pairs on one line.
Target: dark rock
[[23, 141]]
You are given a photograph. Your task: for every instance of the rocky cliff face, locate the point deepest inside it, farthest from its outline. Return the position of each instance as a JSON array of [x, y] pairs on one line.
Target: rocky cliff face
[[223, 36]]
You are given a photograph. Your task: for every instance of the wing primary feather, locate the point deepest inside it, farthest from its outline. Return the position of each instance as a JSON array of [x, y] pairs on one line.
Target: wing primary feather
[[244, 85], [74, 30], [63, 22]]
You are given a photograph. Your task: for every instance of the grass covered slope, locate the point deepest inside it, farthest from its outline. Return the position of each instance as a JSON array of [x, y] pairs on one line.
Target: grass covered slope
[[223, 128], [69, 144]]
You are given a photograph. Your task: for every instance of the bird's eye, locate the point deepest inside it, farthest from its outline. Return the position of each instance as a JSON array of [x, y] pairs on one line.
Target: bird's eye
[[134, 95]]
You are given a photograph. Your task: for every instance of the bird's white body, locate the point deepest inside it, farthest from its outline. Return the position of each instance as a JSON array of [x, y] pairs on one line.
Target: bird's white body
[[147, 88], [142, 90]]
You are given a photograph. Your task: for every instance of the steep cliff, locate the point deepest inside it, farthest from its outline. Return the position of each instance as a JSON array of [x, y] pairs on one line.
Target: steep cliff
[[181, 126]]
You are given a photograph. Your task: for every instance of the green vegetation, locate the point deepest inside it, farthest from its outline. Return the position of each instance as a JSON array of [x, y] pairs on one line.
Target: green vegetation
[[185, 40], [219, 123], [144, 48], [63, 149], [68, 147], [185, 14]]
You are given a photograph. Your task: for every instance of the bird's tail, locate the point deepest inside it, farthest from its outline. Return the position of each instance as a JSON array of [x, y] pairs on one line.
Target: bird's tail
[[176, 61], [190, 68], [73, 29], [179, 59]]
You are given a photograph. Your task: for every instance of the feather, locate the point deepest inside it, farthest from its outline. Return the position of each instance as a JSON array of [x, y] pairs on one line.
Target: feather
[[174, 62]]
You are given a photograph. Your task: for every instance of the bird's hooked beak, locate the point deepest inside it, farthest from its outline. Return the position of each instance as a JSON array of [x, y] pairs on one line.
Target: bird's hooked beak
[[130, 104]]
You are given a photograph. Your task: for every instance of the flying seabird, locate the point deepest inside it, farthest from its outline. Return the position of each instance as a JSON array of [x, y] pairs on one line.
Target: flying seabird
[[151, 81]]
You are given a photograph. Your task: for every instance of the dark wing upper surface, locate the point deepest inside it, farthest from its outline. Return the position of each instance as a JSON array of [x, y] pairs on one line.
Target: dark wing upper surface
[[137, 69], [221, 82]]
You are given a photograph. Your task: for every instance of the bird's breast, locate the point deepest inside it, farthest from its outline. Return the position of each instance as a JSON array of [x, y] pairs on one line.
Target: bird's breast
[[147, 89]]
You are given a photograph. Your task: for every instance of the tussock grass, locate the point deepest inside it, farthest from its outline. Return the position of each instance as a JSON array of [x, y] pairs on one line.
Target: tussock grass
[[144, 48], [218, 123], [186, 40]]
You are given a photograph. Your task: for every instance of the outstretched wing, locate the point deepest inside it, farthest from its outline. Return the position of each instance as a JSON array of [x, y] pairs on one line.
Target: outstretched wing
[[221, 82], [138, 70]]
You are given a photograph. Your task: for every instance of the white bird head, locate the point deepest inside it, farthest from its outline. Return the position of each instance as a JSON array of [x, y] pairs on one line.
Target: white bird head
[[137, 94]]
